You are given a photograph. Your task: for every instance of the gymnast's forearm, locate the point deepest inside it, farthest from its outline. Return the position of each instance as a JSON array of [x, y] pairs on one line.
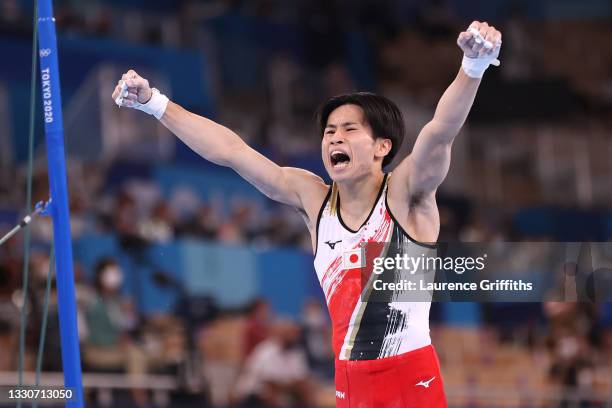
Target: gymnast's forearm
[[455, 105], [480, 44], [212, 141]]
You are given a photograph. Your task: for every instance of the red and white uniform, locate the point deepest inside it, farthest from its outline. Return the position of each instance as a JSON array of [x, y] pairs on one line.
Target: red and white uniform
[[384, 356]]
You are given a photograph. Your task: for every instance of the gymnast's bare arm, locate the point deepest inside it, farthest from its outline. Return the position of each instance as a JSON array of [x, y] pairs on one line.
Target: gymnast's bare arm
[[413, 185], [298, 188]]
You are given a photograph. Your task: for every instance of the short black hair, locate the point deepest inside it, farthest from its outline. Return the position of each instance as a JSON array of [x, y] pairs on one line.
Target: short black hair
[[383, 116]]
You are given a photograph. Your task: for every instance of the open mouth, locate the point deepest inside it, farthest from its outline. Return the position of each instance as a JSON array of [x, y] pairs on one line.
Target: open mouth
[[339, 159]]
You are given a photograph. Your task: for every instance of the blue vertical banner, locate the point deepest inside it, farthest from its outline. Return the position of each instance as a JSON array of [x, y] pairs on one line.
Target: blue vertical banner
[[54, 134]]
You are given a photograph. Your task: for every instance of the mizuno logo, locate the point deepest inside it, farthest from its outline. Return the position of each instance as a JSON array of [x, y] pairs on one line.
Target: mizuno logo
[[425, 384], [340, 394], [332, 245]]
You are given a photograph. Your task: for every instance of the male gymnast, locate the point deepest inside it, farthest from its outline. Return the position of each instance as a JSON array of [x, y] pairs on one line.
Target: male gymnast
[[384, 356]]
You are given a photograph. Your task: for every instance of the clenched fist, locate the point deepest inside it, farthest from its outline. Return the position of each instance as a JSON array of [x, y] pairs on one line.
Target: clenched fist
[[138, 89], [133, 91], [480, 44], [476, 46]]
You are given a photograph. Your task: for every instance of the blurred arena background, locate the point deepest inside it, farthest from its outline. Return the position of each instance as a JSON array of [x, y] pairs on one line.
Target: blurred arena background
[[184, 271]]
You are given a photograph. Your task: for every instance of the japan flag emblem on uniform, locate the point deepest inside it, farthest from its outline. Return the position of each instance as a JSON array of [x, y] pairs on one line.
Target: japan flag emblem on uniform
[[353, 259]]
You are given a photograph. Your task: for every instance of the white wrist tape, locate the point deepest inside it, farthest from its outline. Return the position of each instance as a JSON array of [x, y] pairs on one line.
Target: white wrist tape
[[475, 67], [156, 106], [122, 93]]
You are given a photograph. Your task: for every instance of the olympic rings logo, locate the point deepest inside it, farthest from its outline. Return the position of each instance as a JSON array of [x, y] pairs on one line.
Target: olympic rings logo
[[45, 52]]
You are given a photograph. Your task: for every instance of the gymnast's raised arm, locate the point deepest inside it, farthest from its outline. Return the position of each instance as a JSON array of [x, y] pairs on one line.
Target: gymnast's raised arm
[[292, 186], [415, 180]]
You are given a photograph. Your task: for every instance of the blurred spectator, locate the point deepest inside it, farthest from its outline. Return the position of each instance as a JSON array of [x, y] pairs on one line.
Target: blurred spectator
[[317, 338], [39, 270], [221, 344], [12, 18], [159, 227], [276, 373], [125, 215], [80, 216], [110, 318], [203, 224], [9, 320], [183, 203], [241, 224], [126, 224], [569, 343], [257, 325], [164, 342], [110, 323], [85, 295]]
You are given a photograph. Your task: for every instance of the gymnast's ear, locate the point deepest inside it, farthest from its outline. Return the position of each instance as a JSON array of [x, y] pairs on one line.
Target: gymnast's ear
[[383, 147]]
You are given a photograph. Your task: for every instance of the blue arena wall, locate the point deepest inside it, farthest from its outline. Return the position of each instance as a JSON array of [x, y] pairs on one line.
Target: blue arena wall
[[233, 275]]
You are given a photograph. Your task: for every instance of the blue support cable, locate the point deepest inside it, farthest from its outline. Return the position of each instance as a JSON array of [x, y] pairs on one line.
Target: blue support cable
[[54, 133]]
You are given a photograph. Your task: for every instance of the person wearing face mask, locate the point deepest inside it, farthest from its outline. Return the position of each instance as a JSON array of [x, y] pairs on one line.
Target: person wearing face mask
[[109, 315], [109, 347]]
